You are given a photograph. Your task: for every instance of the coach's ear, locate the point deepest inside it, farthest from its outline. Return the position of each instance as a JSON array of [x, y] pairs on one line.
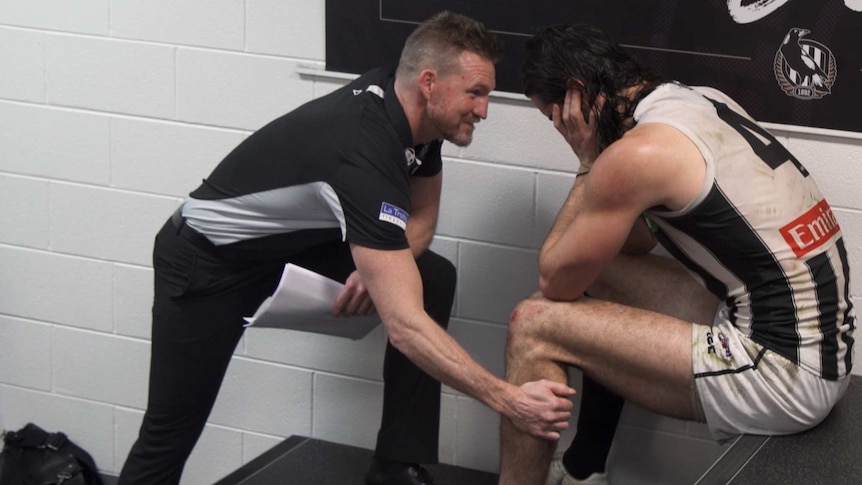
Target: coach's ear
[[427, 82]]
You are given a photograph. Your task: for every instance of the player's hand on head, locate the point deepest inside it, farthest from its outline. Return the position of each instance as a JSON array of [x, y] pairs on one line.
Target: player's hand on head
[[578, 131]]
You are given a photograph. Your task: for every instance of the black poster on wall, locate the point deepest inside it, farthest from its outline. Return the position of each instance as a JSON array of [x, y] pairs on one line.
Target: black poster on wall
[[791, 62]]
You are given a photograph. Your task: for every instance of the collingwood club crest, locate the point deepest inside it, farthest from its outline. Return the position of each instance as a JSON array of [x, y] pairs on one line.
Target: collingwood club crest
[[804, 68]]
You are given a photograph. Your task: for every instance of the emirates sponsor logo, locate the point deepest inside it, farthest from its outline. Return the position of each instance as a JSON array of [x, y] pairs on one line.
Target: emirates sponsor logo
[[811, 230]]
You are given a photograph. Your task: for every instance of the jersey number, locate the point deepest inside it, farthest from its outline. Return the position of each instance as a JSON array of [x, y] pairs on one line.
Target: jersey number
[[773, 153]]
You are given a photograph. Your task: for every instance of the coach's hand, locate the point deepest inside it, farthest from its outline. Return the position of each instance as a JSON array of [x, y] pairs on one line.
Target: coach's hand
[[354, 298], [543, 409]]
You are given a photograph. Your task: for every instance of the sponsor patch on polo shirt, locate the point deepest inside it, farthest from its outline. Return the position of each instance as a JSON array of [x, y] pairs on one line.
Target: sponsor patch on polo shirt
[[393, 215]]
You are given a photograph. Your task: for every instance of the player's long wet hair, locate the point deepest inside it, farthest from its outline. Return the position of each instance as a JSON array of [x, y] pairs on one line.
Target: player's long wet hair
[[437, 42], [585, 53]]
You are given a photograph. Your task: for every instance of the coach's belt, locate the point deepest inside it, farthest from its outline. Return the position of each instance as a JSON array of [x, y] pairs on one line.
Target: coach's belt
[[189, 233]]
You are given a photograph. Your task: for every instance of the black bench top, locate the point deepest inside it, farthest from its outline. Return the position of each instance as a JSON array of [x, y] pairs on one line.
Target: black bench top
[[829, 454]]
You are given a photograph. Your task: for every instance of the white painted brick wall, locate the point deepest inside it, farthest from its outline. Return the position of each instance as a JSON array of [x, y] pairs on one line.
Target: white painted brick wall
[[347, 410], [24, 219], [290, 28], [84, 16], [133, 298], [114, 110], [517, 134], [362, 358], [205, 23], [56, 144], [106, 223], [55, 288], [110, 75], [84, 374], [24, 50], [235, 90], [165, 157], [27, 363], [487, 203]]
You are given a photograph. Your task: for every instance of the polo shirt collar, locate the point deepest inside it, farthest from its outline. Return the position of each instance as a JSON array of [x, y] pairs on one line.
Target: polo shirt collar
[[396, 114]]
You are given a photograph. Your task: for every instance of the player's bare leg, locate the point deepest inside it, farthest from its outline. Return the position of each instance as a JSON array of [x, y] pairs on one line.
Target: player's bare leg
[[641, 354]]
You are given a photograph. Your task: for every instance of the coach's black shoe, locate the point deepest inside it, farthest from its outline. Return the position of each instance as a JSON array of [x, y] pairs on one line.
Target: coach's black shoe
[[393, 473]]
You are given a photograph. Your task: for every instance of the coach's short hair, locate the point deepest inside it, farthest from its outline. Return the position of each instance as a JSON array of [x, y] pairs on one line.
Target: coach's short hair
[[437, 42]]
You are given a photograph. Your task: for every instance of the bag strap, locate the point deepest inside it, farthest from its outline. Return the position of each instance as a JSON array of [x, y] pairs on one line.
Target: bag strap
[[30, 436]]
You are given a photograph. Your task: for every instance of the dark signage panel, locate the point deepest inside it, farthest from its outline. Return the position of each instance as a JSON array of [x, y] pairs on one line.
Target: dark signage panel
[[791, 62]]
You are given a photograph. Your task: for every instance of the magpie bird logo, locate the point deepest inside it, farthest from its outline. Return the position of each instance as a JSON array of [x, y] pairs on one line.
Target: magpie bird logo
[[804, 68]]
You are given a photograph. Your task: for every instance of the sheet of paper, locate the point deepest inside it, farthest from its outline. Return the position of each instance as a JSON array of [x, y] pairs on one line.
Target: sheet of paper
[[303, 301]]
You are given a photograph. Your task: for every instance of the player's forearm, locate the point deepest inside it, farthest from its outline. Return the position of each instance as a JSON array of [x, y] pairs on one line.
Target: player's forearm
[[565, 216], [554, 259]]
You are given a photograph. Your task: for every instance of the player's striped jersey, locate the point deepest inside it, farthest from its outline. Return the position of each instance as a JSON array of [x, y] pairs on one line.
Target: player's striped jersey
[[760, 235]]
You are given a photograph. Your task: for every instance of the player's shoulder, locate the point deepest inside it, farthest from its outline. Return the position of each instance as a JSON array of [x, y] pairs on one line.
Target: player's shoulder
[[646, 162], [644, 145]]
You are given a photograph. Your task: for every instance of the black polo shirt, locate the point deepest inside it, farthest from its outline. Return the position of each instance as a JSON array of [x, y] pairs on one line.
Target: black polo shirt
[[337, 167]]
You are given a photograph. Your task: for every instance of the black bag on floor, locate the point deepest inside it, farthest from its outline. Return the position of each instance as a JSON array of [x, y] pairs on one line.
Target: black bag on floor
[[32, 456]]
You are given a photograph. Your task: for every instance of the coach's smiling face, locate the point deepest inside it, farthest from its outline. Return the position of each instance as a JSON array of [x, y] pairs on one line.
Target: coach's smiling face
[[458, 97]]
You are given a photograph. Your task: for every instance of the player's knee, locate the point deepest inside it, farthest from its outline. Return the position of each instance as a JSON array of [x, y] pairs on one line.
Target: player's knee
[[522, 324]]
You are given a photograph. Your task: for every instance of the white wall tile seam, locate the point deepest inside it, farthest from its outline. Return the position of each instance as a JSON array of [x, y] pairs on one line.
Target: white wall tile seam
[[126, 116], [244, 54], [282, 365], [251, 359], [49, 31], [490, 244], [115, 190], [22, 246], [486, 322], [507, 97], [124, 408], [125, 264], [111, 147], [483, 323], [313, 72], [28, 320], [849, 210], [508, 166], [48, 252], [52, 393], [258, 434], [114, 336], [23, 176], [133, 40], [245, 26], [43, 179], [809, 131], [66, 326], [176, 93], [19, 102]]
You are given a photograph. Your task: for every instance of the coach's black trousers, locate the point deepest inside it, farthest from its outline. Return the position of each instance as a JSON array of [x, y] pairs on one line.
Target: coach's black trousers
[[201, 297]]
